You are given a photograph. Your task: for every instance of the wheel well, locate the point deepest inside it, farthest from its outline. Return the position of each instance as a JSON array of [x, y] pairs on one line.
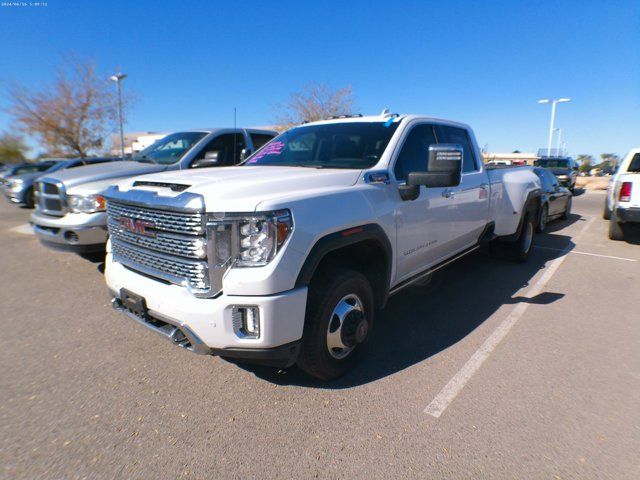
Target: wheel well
[[367, 257]]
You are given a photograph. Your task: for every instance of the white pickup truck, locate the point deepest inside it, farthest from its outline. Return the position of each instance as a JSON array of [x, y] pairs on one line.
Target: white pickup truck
[[622, 203], [286, 258]]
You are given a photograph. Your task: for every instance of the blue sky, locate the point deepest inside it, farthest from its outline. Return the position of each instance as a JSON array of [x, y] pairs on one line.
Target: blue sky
[[482, 62]]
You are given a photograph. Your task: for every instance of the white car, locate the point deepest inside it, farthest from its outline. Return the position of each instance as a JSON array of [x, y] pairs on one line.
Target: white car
[[622, 203], [285, 258]]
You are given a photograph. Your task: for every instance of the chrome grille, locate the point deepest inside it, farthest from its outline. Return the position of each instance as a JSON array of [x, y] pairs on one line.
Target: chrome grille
[[181, 245], [50, 198], [169, 268], [169, 245], [187, 223]]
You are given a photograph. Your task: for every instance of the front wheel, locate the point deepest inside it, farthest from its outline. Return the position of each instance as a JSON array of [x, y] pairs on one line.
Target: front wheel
[[339, 318], [29, 198]]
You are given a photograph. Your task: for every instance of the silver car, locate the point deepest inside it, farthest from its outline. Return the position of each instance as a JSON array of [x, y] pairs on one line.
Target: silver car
[[71, 212]]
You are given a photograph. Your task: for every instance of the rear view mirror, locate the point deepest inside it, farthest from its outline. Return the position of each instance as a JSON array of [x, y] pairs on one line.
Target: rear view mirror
[[444, 169], [211, 159], [244, 154]]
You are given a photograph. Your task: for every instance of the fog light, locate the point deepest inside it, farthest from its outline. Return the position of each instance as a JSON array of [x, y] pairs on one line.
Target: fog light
[[246, 321]]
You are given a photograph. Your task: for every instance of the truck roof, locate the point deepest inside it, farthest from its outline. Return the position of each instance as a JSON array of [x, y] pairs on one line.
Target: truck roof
[[386, 117]]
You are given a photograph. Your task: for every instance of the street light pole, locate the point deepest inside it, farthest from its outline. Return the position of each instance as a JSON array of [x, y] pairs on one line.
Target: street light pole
[[553, 103], [118, 77], [559, 130]]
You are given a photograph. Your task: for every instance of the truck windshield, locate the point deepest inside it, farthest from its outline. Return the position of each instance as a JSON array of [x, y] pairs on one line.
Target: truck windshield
[[169, 149], [348, 145], [552, 163]]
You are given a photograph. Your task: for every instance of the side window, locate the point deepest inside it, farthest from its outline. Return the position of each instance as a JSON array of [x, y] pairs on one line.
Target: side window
[[259, 139], [460, 136], [415, 151], [634, 165], [229, 146]]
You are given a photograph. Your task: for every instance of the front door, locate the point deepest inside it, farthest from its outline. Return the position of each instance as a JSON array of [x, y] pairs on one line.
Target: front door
[[423, 226]]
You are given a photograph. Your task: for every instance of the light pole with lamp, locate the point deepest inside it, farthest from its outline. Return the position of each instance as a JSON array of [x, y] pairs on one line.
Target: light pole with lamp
[[553, 103], [118, 77]]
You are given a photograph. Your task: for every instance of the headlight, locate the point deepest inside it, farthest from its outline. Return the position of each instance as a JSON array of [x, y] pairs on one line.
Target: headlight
[[86, 203], [249, 240], [15, 184]]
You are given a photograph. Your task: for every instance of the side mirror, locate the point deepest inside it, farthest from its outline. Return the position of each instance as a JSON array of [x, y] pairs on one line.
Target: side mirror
[[444, 169], [211, 159], [244, 154]]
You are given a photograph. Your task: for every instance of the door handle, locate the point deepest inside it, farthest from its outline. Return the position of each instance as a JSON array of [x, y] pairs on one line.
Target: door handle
[[448, 193], [484, 186]]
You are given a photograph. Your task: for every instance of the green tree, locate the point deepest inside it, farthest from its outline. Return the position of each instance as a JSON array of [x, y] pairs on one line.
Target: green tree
[[12, 148], [585, 162]]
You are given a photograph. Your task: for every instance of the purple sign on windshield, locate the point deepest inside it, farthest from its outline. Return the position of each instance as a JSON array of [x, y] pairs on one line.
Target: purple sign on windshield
[[274, 148]]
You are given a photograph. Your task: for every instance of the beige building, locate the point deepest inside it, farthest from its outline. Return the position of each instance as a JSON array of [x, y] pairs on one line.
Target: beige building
[[134, 141], [515, 158]]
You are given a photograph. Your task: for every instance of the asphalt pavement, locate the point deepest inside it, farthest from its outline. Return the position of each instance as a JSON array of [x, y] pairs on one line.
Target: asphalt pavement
[[494, 370]]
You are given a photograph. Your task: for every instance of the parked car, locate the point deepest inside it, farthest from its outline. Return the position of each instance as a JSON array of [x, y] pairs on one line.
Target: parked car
[[622, 203], [70, 210], [285, 258], [19, 189], [555, 201], [564, 168], [25, 167]]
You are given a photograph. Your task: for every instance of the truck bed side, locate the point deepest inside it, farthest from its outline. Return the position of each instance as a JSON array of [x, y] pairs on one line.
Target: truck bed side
[[510, 189]]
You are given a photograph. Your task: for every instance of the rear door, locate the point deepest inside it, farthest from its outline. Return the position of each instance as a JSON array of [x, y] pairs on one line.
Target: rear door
[[471, 197]]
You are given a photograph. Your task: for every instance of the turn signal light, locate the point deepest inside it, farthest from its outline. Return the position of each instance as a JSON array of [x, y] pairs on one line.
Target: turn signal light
[[625, 192]]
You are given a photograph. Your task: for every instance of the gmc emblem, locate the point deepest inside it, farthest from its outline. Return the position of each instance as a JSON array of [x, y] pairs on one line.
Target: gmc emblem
[[137, 226]]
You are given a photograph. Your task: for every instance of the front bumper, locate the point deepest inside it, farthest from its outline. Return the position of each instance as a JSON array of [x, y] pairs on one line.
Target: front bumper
[[628, 215], [204, 325], [75, 232]]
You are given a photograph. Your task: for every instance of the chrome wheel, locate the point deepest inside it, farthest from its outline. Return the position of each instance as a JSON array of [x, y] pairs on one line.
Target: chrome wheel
[[347, 327]]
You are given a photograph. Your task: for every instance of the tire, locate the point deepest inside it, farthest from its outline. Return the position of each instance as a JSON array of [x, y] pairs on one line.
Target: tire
[[616, 229], [521, 248], [567, 210], [29, 198], [352, 291], [606, 212], [544, 217]]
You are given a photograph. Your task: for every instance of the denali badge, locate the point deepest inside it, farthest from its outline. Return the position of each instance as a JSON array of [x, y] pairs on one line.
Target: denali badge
[[137, 226]]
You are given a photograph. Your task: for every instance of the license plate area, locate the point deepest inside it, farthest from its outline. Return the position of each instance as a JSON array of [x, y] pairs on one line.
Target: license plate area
[[134, 303]]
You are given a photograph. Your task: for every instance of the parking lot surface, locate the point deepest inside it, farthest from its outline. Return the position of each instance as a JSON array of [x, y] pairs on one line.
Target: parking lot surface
[[494, 370]]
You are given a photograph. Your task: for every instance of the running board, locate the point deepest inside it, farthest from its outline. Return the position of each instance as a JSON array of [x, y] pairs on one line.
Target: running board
[[431, 270]]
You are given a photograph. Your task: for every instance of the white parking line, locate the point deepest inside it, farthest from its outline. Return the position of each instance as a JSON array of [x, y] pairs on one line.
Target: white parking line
[[439, 404], [590, 254], [26, 229]]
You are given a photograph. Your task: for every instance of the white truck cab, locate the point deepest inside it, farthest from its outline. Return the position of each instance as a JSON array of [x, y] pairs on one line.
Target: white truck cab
[[286, 258], [622, 203]]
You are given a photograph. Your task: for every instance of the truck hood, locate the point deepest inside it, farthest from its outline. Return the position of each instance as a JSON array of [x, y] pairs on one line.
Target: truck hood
[[242, 189], [103, 171]]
